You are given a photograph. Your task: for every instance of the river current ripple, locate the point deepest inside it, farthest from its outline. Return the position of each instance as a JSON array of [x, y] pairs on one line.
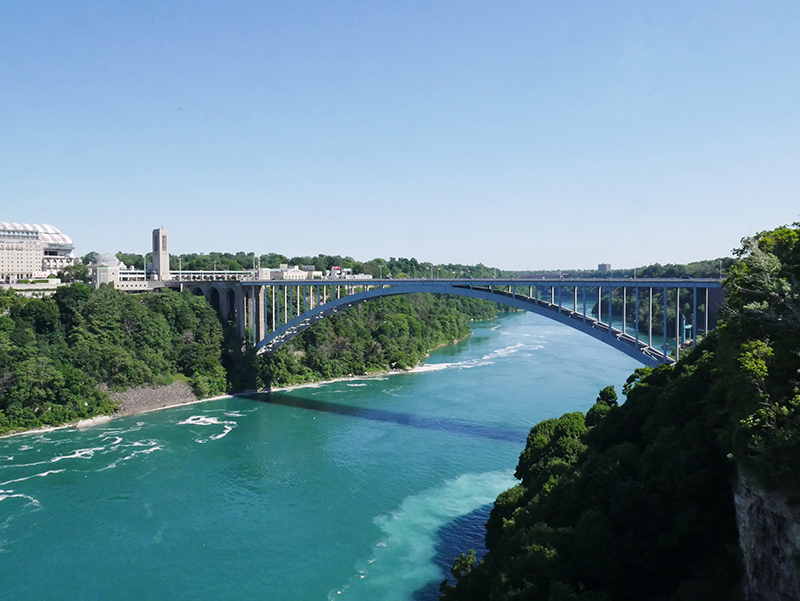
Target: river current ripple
[[363, 489]]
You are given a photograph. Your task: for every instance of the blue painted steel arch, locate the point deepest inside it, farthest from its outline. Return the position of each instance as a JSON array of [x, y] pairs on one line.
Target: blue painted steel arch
[[623, 342]]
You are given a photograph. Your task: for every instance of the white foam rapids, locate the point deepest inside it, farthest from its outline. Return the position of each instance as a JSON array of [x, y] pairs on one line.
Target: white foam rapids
[[10, 494], [487, 359], [402, 561], [208, 420], [42, 475]]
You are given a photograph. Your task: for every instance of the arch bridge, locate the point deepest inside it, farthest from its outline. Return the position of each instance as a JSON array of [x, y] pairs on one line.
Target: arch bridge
[[273, 312]]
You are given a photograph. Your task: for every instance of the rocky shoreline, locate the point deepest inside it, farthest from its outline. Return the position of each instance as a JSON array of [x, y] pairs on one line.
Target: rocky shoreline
[[144, 399]]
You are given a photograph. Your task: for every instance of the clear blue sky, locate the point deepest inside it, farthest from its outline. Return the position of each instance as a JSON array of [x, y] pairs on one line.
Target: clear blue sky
[[523, 134]]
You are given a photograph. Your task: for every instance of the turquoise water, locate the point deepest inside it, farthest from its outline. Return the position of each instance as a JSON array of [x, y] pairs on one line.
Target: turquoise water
[[356, 490]]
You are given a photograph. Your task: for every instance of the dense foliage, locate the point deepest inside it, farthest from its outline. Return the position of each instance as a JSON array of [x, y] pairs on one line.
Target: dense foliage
[[635, 501], [630, 502], [60, 354], [760, 358]]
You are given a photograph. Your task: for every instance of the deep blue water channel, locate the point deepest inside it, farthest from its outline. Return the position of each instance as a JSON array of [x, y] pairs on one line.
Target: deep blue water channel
[[356, 490]]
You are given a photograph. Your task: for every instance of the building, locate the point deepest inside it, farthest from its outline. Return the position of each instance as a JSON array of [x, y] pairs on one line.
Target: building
[[345, 273], [290, 272], [161, 255], [604, 267], [105, 270], [29, 251]]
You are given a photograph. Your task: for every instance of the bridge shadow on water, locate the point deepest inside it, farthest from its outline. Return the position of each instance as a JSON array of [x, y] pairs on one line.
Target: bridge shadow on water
[[439, 424]]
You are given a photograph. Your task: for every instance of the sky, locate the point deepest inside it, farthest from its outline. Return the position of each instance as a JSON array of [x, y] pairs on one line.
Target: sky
[[520, 134]]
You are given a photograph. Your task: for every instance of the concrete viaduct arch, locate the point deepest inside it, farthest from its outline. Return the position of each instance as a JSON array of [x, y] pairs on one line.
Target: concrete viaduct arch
[[228, 298]]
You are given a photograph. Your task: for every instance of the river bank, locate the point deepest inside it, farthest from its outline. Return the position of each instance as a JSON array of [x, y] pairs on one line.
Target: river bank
[[146, 399], [149, 400], [137, 401]]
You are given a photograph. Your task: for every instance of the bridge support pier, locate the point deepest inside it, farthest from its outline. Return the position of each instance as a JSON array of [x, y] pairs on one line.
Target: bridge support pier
[[224, 306], [241, 311]]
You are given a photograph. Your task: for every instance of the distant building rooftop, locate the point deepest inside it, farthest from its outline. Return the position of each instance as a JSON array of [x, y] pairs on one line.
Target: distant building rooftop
[[46, 233]]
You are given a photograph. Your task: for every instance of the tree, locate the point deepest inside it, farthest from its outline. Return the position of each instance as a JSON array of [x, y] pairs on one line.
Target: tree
[[608, 396], [132, 260], [75, 273]]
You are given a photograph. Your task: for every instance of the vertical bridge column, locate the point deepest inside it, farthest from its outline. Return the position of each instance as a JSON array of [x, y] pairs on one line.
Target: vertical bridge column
[[261, 302]]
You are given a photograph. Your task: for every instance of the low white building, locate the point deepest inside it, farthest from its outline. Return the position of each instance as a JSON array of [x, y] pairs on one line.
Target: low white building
[[346, 273], [286, 272]]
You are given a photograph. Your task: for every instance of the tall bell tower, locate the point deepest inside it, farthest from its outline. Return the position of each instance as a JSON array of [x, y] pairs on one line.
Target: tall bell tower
[[161, 254]]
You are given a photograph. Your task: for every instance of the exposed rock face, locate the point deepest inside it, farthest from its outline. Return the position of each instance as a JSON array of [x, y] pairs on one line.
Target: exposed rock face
[[136, 400], [769, 536]]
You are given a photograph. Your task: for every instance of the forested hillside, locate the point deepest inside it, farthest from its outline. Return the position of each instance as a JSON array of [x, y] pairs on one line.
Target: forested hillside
[[60, 355], [635, 501], [389, 333]]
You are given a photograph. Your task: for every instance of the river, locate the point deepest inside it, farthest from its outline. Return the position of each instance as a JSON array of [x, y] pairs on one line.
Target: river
[[356, 490]]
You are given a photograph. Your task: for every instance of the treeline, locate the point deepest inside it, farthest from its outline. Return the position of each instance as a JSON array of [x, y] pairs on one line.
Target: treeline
[[60, 355], [711, 268], [408, 268], [240, 261], [634, 502]]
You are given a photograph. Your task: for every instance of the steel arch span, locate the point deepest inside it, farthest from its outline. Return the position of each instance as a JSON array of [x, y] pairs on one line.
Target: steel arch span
[[491, 290]]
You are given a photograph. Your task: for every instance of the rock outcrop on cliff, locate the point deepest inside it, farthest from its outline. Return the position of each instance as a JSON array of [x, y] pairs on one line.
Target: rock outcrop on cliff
[[769, 536]]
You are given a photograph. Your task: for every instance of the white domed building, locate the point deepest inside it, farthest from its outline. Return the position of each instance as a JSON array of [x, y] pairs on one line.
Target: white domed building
[[105, 269], [33, 251]]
